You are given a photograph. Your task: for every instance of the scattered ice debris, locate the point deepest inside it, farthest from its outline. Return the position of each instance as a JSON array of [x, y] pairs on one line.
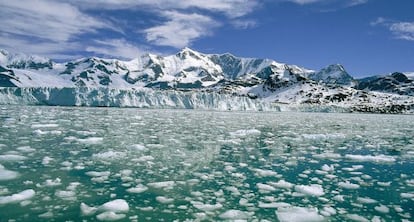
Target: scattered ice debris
[[162, 185], [46, 160], [109, 155], [91, 140], [18, 197], [382, 209], [109, 216], [273, 205], [25, 149], [45, 125], [311, 190], [366, 200], [164, 200], [206, 207], [328, 168], [11, 158], [265, 173], [348, 185], [87, 210], [236, 215], [66, 194], [52, 183], [245, 132], [98, 174], [356, 217], [138, 189], [7, 174], [298, 214], [327, 155], [369, 158], [282, 184], [137, 147], [118, 205], [265, 188]]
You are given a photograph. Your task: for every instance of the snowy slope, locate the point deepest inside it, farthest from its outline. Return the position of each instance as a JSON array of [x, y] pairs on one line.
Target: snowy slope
[[189, 70]]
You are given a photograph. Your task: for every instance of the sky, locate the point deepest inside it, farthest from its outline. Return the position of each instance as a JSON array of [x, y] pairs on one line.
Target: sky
[[368, 37]]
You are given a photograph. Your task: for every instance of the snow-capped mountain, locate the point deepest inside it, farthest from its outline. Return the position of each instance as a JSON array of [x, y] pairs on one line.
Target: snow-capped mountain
[[333, 74], [264, 79]]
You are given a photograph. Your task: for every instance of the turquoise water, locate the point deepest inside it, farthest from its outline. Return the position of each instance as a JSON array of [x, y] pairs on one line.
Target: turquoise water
[[73, 164]]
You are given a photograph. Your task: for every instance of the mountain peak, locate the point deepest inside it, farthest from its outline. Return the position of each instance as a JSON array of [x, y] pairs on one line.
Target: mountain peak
[[333, 74]]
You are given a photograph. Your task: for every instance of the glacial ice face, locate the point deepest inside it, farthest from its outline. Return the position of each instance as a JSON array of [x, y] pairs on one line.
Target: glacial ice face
[[142, 98]]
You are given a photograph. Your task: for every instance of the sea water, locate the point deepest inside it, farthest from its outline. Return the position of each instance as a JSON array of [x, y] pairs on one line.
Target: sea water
[[102, 164]]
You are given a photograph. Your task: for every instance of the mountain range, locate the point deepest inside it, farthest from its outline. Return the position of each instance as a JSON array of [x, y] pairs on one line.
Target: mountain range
[[189, 70]]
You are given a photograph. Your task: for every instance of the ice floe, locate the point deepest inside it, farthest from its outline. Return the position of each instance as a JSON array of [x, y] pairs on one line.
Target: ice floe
[[311, 190], [298, 214], [18, 197]]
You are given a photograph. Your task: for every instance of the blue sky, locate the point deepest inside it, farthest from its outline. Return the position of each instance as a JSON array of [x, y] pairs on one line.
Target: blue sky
[[367, 36]]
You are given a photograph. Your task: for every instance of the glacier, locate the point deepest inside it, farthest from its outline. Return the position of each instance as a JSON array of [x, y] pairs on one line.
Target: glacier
[[140, 98]]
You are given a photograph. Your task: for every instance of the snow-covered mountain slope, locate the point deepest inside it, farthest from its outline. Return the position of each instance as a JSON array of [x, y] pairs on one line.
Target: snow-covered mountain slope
[[333, 74], [189, 70], [396, 82]]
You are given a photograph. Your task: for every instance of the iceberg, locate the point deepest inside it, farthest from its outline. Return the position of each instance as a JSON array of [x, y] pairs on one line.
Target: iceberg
[[140, 98]]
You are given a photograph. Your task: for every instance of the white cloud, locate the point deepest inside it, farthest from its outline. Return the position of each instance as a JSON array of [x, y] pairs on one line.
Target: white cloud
[[180, 29], [231, 8], [55, 21], [116, 48], [340, 3], [401, 30], [244, 23], [304, 2]]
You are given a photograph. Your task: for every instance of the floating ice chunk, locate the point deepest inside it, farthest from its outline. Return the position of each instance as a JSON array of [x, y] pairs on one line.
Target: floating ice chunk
[[366, 200], [109, 155], [206, 207], [407, 195], [18, 197], [323, 136], [137, 147], [7, 174], [298, 214], [384, 184], [282, 184], [91, 140], [327, 156], [46, 160], [339, 198], [164, 200], [25, 149], [356, 217], [118, 205], [265, 173], [52, 183], [66, 194], [311, 190], [273, 205], [328, 211], [98, 174], [265, 188], [245, 132], [382, 209], [328, 168], [49, 125], [145, 158], [369, 158], [87, 210], [138, 189], [47, 214], [11, 157], [348, 185], [236, 215], [109, 216], [162, 185]]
